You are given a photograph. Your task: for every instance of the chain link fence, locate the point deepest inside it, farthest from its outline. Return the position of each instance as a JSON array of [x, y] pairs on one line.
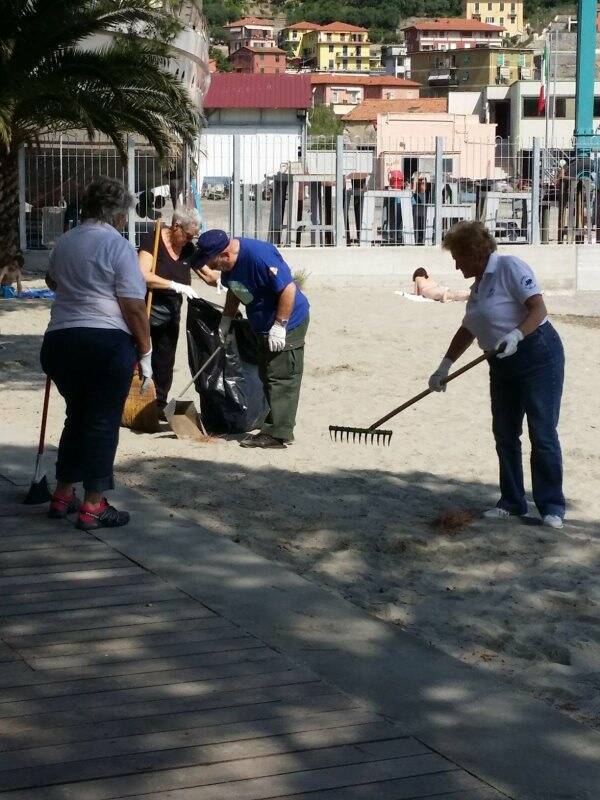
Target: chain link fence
[[298, 191]]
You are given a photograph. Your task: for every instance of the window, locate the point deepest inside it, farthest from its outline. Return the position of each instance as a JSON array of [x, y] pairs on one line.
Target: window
[[277, 72], [345, 64], [596, 107], [501, 20], [261, 56], [331, 48], [500, 59], [477, 8], [262, 70], [358, 51], [490, 6], [331, 64], [501, 6], [530, 107], [560, 107], [359, 65], [490, 20], [342, 37], [328, 37], [521, 59], [513, 6]]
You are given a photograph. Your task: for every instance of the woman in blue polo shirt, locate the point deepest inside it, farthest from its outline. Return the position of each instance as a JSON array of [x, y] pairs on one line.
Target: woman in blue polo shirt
[[256, 275], [506, 312]]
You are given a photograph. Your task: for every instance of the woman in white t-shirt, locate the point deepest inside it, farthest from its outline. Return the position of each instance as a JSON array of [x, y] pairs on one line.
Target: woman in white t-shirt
[[506, 313], [98, 330]]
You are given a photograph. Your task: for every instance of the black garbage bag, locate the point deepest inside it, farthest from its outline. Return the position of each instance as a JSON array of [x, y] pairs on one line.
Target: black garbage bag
[[232, 397]]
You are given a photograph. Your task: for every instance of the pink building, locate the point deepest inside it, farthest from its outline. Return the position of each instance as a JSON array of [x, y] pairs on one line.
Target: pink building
[[469, 145], [259, 61], [451, 34], [343, 92]]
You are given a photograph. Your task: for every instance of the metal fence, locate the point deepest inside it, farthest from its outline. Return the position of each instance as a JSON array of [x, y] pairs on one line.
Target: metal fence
[[296, 191]]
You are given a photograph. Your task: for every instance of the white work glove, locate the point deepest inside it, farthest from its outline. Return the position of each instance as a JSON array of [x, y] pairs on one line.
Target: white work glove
[[181, 288], [437, 378], [145, 367], [277, 337], [510, 342], [224, 328]]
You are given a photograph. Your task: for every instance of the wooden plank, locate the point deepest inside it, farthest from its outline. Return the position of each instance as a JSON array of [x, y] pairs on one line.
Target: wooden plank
[[138, 667], [96, 551], [165, 679], [148, 694], [79, 638], [228, 781], [93, 619], [99, 600], [107, 646], [437, 786], [116, 561], [65, 539], [23, 596], [64, 580], [52, 556], [77, 715], [182, 765], [159, 651], [120, 736]]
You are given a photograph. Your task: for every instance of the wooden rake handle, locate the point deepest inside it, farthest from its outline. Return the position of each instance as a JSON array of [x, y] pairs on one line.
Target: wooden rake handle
[[421, 395], [154, 260]]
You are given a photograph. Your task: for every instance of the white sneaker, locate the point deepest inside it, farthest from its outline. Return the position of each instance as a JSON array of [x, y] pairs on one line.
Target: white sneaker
[[497, 513], [552, 521]]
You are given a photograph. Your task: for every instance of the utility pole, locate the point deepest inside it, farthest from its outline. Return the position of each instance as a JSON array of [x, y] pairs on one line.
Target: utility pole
[[585, 137]]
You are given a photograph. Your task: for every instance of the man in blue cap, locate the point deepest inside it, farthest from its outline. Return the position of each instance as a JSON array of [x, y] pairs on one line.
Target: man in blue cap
[[256, 275]]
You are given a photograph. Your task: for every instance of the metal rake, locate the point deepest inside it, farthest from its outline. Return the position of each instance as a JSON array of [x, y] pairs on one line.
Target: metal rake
[[384, 437]]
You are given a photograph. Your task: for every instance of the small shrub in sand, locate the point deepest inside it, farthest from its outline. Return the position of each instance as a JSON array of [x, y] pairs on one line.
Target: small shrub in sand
[[300, 277]]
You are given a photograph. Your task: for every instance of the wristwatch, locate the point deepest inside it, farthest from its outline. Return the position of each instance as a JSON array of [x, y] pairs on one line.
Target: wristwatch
[[283, 322]]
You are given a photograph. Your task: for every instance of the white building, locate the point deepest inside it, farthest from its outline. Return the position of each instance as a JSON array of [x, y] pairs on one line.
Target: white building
[[396, 60]]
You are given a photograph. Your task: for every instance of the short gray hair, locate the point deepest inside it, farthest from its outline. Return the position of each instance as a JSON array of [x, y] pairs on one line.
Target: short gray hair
[[105, 199], [184, 217]]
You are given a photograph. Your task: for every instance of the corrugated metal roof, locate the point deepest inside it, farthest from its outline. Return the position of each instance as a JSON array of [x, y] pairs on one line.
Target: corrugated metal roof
[[370, 109], [238, 90]]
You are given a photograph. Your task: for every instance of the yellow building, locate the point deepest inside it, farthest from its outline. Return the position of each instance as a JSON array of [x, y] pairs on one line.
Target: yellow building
[[507, 14], [337, 47], [470, 70]]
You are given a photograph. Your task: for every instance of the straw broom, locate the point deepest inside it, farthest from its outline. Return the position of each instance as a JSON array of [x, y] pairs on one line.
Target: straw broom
[[141, 412]]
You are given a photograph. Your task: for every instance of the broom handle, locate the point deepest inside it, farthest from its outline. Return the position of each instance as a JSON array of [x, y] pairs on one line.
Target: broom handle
[[420, 396], [44, 416], [154, 260], [201, 370]]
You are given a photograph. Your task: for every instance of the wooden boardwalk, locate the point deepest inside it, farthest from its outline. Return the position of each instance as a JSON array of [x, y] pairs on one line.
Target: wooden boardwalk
[[115, 684]]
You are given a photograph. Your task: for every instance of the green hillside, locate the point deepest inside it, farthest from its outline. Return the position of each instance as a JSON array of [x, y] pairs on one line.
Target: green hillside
[[380, 16]]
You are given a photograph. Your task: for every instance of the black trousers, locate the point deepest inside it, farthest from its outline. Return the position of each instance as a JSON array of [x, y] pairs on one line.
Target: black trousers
[[92, 369], [165, 318]]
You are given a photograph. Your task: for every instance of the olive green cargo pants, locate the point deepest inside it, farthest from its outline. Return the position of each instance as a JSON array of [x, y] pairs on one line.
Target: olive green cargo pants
[[281, 375]]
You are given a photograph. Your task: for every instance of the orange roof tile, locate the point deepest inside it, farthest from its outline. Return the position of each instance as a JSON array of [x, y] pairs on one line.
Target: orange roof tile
[[250, 21], [454, 24], [343, 27], [368, 110], [264, 50], [360, 80], [303, 26]]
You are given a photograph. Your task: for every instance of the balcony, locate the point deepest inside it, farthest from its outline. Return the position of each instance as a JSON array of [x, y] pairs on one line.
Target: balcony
[[443, 76]]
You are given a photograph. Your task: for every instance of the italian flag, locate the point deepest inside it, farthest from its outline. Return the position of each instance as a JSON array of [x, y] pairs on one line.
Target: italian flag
[[541, 106]]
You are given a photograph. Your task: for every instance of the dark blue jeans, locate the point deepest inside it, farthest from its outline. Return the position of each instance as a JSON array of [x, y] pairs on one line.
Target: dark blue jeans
[[530, 382], [92, 369]]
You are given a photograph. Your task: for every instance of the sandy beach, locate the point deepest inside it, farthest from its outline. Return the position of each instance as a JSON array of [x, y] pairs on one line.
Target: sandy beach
[[513, 598]]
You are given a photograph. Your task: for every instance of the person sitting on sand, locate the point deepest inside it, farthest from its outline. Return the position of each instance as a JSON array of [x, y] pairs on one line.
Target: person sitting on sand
[[9, 274], [424, 286]]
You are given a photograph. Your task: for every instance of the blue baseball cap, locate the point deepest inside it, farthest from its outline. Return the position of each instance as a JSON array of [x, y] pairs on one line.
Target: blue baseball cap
[[210, 244]]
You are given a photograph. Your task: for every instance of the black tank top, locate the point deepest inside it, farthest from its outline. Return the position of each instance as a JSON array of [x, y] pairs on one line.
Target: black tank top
[[171, 269]]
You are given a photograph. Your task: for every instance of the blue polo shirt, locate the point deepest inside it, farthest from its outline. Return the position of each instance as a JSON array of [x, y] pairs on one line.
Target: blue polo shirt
[[259, 276]]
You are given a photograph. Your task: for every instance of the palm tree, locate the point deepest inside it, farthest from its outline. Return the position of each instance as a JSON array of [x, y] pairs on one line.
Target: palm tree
[[54, 78]]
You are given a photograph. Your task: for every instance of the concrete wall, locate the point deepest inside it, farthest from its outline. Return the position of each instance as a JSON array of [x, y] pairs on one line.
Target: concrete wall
[[559, 268], [565, 268]]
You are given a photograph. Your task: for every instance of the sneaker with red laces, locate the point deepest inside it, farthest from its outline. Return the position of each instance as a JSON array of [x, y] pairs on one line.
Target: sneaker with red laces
[[61, 506], [101, 516]]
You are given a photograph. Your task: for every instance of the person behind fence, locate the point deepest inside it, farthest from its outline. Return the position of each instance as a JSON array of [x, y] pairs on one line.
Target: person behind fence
[[256, 275], [169, 283], [506, 313], [98, 330]]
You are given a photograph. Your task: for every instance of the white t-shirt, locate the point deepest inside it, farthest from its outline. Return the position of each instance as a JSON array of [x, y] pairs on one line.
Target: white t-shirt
[[496, 304], [92, 266]]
